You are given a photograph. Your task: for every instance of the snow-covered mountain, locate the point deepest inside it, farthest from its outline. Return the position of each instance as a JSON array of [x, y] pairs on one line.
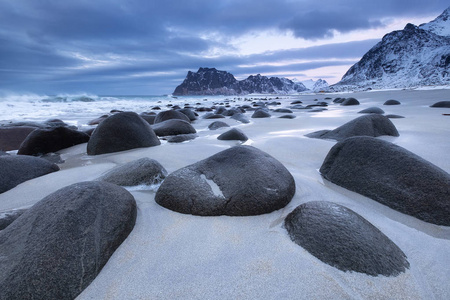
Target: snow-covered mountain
[[412, 57], [319, 85], [210, 81]]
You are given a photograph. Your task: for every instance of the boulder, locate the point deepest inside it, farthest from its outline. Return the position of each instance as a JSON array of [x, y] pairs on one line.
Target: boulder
[[372, 110], [239, 181], [343, 239], [6, 218], [283, 110], [261, 113], [233, 134], [122, 131], [213, 116], [149, 118], [441, 104], [391, 116], [15, 169], [173, 127], [217, 124], [171, 114], [56, 248], [392, 176], [144, 171], [350, 101], [98, 120], [181, 138], [12, 137], [392, 102], [368, 125], [240, 118], [292, 116], [189, 113], [42, 141]]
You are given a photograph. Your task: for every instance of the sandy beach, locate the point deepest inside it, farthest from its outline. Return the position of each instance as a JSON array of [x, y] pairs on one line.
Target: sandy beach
[[170, 255]]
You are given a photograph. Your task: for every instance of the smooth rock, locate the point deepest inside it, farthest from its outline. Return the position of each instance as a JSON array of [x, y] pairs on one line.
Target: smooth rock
[[42, 141], [392, 102], [189, 113], [181, 138], [233, 134], [56, 248], [343, 239], [144, 171], [12, 137], [169, 115], [240, 118], [239, 181], [368, 125], [441, 104], [261, 113], [372, 110], [217, 124], [350, 101], [15, 169], [392, 176], [122, 131], [173, 127]]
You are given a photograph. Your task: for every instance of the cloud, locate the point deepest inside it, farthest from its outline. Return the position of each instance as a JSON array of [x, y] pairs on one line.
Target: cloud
[[146, 46]]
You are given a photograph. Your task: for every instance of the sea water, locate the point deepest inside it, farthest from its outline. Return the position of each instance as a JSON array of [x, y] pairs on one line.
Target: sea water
[[79, 109]]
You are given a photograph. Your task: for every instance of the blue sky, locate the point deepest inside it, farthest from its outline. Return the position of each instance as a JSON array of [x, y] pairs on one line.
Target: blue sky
[[139, 47]]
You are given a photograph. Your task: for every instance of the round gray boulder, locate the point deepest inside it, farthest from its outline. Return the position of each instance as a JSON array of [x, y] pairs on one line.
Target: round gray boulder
[[171, 114], [233, 134], [261, 113], [15, 169], [343, 239], [240, 118], [240, 181], [441, 104], [368, 125], [42, 141], [350, 101], [142, 171], [392, 102], [173, 127], [120, 132], [372, 110], [217, 124], [392, 176], [55, 249]]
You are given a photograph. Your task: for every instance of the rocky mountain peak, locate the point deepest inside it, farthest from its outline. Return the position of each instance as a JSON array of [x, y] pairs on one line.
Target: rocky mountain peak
[[414, 56], [210, 81]]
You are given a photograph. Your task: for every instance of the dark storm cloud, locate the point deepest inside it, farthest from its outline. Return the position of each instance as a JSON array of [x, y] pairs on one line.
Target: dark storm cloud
[[84, 44]]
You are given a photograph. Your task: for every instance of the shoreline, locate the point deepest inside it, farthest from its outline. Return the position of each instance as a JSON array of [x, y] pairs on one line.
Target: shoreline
[[170, 255]]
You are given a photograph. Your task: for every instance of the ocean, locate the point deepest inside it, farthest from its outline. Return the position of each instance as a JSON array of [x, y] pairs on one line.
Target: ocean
[[78, 109]]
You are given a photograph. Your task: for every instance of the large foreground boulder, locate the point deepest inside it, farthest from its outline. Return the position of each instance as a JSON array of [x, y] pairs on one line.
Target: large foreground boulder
[[120, 132], [56, 248], [392, 176], [343, 239], [42, 141], [239, 181], [368, 125], [16, 169], [173, 127], [142, 171]]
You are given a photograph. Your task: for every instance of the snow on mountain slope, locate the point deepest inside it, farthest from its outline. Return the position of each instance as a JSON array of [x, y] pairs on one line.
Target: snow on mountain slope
[[412, 57]]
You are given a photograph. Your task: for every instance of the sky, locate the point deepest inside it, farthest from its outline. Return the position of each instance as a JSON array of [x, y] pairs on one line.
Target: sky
[[146, 47]]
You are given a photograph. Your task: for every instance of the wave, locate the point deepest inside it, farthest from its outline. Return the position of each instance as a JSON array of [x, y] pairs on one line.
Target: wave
[[33, 98]]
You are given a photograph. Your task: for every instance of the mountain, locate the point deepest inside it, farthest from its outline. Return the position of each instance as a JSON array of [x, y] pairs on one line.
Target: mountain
[[316, 86], [210, 81], [412, 57]]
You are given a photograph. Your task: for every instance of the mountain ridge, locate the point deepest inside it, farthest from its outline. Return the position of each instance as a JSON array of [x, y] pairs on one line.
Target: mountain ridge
[[412, 57]]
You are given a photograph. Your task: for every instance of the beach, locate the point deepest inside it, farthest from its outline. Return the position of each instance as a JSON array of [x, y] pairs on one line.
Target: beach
[[169, 255]]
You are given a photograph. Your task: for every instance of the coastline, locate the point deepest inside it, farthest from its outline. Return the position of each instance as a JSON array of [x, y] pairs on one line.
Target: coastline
[[173, 256]]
